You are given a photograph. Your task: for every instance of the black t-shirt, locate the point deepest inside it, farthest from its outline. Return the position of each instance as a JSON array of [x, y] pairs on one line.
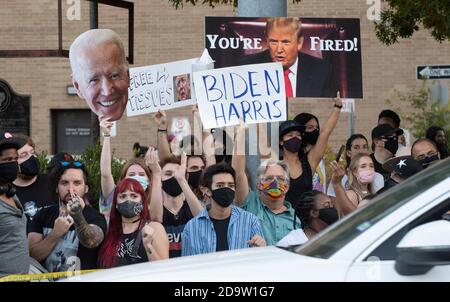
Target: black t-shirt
[[131, 250], [35, 197], [301, 184], [64, 255], [174, 225], [379, 168], [221, 228]]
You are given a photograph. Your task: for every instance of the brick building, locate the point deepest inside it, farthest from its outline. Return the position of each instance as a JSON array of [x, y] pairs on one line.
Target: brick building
[[163, 34]]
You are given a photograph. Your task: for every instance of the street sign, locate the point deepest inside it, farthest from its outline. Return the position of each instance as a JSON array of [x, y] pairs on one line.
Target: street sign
[[425, 72]]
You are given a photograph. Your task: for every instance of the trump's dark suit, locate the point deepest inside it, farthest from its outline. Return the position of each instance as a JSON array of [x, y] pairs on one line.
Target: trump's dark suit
[[314, 76]]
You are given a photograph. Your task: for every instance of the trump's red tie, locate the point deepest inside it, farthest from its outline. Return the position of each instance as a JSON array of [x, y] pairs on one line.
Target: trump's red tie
[[287, 83]]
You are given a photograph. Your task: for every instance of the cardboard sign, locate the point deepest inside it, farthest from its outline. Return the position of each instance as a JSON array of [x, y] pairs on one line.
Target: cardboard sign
[[162, 86], [252, 93], [323, 57]]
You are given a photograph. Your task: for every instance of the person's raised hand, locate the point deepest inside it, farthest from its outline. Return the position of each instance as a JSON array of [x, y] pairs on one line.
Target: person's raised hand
[[105, 125], [61, 226], [76, 204], [338, 172], [147, 236], [161, 119], [338, 100], [180, 173], [152, 160]]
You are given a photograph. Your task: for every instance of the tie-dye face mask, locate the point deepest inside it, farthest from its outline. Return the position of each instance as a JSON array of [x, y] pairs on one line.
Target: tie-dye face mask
[[274, 187]]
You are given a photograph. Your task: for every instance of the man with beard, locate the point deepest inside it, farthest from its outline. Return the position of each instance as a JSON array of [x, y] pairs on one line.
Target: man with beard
[[221, 226], [31, 187], [68, 234]]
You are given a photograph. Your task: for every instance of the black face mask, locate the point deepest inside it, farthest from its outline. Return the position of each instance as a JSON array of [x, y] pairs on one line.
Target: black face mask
[[129, 209], [30, 167], [328, 215], [311, 137], [293, 144], [427, 161], [171, 187], [194, 178], [391, 146], [8, 171], [223, 196]]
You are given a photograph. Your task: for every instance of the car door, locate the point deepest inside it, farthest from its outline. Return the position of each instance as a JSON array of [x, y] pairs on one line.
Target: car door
[[377, 263]]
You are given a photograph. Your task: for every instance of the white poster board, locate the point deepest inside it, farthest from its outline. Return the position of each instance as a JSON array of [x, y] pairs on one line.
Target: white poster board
[[160, 87], [252, 93]]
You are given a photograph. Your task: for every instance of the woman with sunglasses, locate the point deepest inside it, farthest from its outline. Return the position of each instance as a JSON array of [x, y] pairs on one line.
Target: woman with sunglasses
[[132, 237], [136, 168]]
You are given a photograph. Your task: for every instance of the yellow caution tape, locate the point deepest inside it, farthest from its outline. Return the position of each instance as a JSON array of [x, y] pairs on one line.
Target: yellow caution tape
[[56, 275]]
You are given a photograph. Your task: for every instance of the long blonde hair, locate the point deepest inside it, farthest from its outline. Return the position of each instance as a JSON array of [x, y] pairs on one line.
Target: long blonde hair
[[353, 182]]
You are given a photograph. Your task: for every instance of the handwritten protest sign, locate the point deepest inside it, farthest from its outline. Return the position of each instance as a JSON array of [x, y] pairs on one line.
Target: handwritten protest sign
[[253, 93], [162, 86]]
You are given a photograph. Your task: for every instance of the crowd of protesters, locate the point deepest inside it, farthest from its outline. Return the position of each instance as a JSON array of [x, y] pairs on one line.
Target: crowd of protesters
[[175, 201]]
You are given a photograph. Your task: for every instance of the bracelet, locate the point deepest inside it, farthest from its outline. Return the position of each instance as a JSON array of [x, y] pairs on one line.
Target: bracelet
[[106, 135], [337, 106], [162, 130]]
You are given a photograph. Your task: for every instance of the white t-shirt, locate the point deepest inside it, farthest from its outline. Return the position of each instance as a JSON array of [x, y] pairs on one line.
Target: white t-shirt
[[378, 184], [294, 237]]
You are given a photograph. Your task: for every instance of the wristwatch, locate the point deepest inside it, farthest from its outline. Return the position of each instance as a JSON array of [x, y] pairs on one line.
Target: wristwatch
[[337, 106]]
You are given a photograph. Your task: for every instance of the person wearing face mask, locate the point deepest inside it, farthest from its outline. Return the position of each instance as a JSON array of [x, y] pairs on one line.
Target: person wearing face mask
[[195, 166], [425, 152], [437, 135], [221, 226], [268, 202], [317, 212], [355, 144], [14, 254], [132, 238], [384, 146], [361, 175], [401, 167], [179, 203], [301, 165], [30, 184], [310, 137], [140, 169]]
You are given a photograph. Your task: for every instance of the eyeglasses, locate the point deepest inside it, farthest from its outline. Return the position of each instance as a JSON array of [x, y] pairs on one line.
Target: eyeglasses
[[76, 164], [273, 177]]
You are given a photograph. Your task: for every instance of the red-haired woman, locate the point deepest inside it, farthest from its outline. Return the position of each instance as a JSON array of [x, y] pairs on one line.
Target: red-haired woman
[[131, 237]]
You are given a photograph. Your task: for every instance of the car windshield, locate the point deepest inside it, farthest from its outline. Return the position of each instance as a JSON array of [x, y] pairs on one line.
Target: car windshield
[[338, 235]]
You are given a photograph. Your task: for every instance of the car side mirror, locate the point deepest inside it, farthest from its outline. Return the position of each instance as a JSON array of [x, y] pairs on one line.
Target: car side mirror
[[424, 247]]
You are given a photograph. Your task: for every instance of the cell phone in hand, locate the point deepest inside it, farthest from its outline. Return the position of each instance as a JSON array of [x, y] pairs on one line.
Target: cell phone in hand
[[339, 154]]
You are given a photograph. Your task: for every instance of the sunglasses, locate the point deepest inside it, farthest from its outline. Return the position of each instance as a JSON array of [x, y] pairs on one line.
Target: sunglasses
[[76, 164]]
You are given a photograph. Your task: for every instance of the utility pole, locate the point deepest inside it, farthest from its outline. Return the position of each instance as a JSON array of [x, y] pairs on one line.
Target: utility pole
[[93, 23], [260, 8]]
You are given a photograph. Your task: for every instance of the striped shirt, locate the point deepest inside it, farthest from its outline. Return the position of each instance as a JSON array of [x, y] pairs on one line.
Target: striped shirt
[[199, 236]]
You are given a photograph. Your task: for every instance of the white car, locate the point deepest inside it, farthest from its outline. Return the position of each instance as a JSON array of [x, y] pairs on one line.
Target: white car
[[400, 236]]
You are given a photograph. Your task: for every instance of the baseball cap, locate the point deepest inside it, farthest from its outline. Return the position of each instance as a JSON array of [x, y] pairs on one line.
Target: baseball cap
[[404, 166], [288, 126], [385, 129], [8, 140]]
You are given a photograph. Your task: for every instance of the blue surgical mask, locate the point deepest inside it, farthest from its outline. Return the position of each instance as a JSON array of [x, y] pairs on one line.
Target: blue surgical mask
[[142, 180]]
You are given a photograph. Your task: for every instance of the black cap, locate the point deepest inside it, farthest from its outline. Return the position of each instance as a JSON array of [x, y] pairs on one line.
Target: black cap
[[59, 157], [404, 166], [290, 125], [8, 140], [385, 129]]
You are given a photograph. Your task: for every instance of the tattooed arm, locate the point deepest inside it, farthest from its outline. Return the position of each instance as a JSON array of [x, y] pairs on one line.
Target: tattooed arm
[[90, 235]]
